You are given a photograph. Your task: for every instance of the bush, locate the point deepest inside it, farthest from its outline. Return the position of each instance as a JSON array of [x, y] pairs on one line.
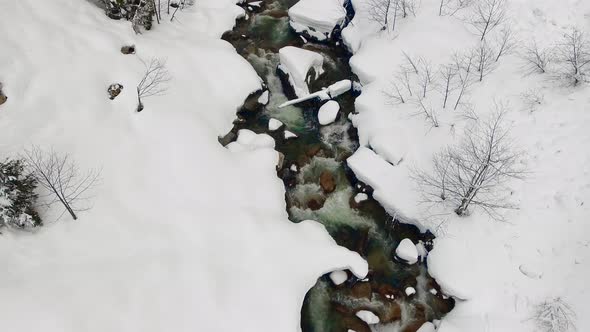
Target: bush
[[17, 196], [555, 315]]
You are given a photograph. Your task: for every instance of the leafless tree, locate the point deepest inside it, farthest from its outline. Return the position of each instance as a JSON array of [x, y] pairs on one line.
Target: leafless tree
[[464, 64], [451, 7], [506, 42], [487, 15], [428, 111], [532, 99], [447, 84], [411, 63], [393, 94], [573, 55], [426, 77], [62, 178], [154, 81], [408, 7], [537, 59], [474, 172], [404, 77], [554, 315], [484, 60], [380, 10]]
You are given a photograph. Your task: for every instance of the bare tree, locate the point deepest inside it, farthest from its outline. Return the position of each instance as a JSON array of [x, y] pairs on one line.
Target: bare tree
[[447, 84], [573, 54], [154, 81], [393, 94], [487, 15], [484, 60], [411, 63], [426, 77], [532, 99], [554, 315], [506, 42], [408, 7], [464, 64], [62, 178], [537, 59], [379, 11], [474, 172], [451, 7], [428, 111]]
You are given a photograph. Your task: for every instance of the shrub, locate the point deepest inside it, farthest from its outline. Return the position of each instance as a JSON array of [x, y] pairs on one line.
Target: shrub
[[17, 196]]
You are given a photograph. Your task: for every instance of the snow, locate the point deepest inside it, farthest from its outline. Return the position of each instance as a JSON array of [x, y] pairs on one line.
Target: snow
[[182, 233], [340, 87], [410, 291], [318, 18], [338, 277], [360, 197], [290, 134], [501, 269], [427, 327], [297, 62], [406, 250], [368, 317], [328, 112], [249, 140], [274, 124], [264, 98]]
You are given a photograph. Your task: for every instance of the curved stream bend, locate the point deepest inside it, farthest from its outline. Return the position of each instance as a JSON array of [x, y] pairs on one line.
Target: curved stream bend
[[320, 186]]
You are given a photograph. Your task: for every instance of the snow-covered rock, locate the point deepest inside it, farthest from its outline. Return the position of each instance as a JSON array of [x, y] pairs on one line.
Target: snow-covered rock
[[264, 98], [338, 277], [368, 317], [290, 134], [249, 140], [427, 327], [317, 18], [338, 88], [360, 197], [328, 112], [410, 291], [297, 62], [406, 250], [274, 124]]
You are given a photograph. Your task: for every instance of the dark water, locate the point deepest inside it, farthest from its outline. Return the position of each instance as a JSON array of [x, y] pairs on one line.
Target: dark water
[[366, 227]]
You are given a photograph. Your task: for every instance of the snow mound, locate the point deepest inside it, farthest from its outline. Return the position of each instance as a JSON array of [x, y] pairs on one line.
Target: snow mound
[[368, 317], [317, 18], [360, 197], [290, 134], [338, 277], [328, 112], [340, 87], [274, 124], [406, 250], [249, 140], [297, 62], [410, 291], [427, 327], [264, 98]]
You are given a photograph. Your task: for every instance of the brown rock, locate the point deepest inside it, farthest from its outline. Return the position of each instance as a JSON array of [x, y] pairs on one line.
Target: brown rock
[[315, 204], [327, 182], [3, 98], [361, 290], [392, 313], [414, 326]]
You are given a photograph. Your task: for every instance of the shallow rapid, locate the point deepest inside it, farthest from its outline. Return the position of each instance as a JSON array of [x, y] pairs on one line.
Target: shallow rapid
[[320, 186]]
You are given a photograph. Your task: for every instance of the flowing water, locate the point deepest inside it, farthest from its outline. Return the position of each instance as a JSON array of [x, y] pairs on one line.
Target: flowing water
[[318, 151]]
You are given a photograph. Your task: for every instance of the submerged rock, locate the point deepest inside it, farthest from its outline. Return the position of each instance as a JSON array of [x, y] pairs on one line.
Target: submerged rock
[[327, 182]]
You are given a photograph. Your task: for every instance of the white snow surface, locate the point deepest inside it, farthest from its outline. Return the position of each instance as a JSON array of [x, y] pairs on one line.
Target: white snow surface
[[427, 327], [249, 140], [297, 62], [317, 17], [182, 233], [338, 277], [274, 124], [501, 269], [328, 112], [368, 317], [407, 251]]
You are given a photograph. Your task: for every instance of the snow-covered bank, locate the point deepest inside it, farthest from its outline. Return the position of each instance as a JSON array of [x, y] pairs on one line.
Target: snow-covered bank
[[477, 259], [317, 18], [183, 233]]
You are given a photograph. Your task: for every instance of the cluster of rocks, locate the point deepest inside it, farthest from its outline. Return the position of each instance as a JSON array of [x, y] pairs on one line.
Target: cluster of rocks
[[139, 12]]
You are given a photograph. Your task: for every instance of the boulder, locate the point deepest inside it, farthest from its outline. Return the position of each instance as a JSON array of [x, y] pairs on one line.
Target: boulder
[[128, 49], [114, 90], [327, 182]]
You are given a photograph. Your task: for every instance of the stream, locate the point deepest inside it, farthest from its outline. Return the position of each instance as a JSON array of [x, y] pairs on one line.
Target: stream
[[321, 152]]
